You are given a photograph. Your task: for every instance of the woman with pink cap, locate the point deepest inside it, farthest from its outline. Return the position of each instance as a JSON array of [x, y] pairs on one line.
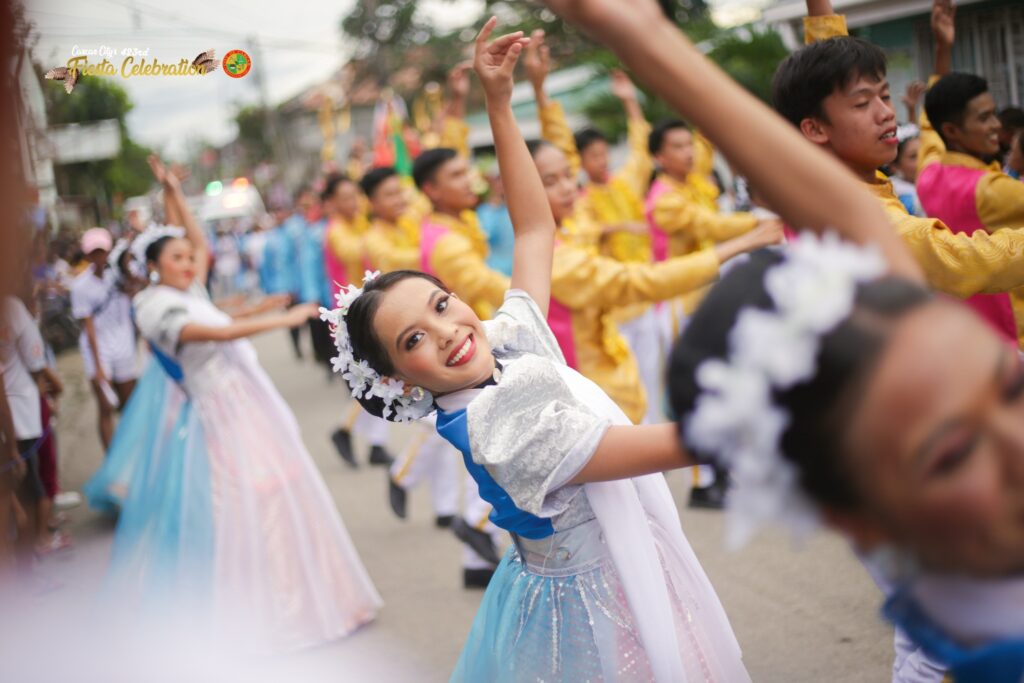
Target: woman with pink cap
[[107, 340]]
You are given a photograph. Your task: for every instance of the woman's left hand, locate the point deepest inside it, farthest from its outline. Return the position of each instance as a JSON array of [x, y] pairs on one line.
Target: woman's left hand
[[495, 62]]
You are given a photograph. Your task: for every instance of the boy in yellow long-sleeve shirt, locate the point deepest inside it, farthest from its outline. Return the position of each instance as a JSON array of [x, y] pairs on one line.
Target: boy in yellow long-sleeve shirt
[[835, 91]]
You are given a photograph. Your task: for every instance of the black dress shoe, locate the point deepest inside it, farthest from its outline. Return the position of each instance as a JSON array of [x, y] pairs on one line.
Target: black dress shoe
[[479, 541], [343, 443], [397, 497], [380, 457], [710, 497], [476, 578], [443, 521]]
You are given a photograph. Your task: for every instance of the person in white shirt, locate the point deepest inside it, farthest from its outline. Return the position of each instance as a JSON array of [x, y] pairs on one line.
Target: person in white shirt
[[107, 340], [23, 368]]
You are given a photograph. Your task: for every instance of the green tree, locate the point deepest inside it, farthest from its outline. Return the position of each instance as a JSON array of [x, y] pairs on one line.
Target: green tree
[[104, 181]]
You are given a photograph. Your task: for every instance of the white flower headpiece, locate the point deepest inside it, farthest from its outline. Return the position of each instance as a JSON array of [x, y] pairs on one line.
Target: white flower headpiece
[[364, 381], [151, 234], [735, 417]]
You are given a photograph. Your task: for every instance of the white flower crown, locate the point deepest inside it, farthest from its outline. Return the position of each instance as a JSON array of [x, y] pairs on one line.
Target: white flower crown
[[364, 380], [735, 418], [151, 234]]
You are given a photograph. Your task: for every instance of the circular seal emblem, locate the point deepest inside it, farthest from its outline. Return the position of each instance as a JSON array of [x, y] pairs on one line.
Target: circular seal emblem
[[237, 63]]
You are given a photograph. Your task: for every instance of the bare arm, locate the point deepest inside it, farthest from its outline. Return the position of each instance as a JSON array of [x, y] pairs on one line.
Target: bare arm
[[944, 31], [247, 327], [527, 202], [94, 348], [809, 187], [633, 451], [174, 196], [819, 8]]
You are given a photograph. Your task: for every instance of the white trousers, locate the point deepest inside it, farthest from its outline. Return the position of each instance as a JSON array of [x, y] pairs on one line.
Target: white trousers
[[429, 458]]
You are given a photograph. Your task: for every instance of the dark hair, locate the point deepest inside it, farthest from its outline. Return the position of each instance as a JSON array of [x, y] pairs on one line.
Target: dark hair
[[372, 180], [808, 76], [331, 185], [818, 409], [535, 146], [1012, 118], [154, 250], [359, 320], [427, 164], [946, 101], [656, 138], [588, 136]]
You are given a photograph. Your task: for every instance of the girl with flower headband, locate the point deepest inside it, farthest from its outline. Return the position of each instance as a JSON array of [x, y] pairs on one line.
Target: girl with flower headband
[[822, 377], [601, 582], [227, 517]]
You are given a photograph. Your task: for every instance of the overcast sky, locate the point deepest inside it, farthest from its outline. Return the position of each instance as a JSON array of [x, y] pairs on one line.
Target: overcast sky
[[301, 44]]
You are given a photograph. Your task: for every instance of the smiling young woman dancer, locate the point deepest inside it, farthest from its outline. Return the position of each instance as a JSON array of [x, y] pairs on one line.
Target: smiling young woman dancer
[[230, 518], [601, 582], [871, 390]]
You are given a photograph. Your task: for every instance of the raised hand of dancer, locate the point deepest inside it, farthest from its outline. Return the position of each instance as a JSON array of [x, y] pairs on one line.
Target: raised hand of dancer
[[537, 62], [528, 207], [458, 90], [944, 31], [912, 98], [495, 62]]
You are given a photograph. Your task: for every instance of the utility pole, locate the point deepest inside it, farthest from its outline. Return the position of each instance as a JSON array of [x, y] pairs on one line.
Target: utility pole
[[270, 128]]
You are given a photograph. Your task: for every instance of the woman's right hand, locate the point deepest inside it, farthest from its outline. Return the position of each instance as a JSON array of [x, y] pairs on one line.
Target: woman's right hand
[[537, 60], [298, 315]]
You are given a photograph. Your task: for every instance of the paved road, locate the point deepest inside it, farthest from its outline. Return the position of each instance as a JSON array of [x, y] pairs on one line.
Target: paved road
[[801, 614]]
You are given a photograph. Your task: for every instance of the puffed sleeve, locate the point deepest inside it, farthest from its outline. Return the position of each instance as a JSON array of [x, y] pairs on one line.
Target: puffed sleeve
[[519, 326], [160, 316], [532, 435]]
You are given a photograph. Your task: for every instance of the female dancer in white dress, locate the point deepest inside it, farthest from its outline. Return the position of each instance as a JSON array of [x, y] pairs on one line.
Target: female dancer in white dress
[[229, 517]]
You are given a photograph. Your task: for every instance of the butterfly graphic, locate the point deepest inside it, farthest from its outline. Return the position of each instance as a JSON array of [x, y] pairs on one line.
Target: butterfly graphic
[[62, 73], [205, 61]]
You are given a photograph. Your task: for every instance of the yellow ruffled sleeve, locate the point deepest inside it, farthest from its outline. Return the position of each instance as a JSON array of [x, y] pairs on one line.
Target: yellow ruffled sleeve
[[580, 279], [457, 263], [675, 213], [455, 134], [1000, 201], [931, 145], [554, 128], [347, 247], [636, 172], [386, 255], [825, 27]]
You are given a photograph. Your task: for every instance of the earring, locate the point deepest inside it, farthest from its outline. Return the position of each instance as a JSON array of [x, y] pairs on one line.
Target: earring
[[417, 393], [154, 277]]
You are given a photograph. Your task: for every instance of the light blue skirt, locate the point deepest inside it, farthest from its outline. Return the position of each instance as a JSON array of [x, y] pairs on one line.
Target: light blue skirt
[[147, 418], [560, 614]]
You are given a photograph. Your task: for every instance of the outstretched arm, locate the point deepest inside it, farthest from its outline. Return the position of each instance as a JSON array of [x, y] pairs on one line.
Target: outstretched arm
[[175, 197], [809, 187], [249, 327], [652, 448], [527, 202]]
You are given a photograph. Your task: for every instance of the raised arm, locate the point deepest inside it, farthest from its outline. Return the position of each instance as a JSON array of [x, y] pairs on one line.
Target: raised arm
[[527, 202], [809, 187], [174, 195]]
